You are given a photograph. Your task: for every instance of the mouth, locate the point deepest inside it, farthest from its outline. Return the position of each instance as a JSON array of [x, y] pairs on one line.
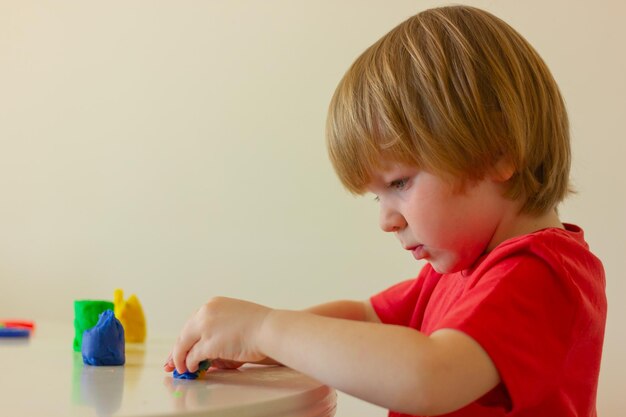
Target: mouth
[[418, 251]]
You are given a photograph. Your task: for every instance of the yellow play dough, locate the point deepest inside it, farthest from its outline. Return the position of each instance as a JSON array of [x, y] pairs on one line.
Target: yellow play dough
[[130, 314]]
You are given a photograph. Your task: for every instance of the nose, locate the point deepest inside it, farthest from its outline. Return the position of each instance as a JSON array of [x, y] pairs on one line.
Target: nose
[[390, 219]]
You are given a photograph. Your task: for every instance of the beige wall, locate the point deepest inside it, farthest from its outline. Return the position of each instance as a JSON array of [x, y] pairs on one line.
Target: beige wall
[[175, 149]]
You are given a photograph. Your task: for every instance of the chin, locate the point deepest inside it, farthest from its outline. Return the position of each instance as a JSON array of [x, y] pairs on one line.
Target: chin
[[448, 266], [440, 268]]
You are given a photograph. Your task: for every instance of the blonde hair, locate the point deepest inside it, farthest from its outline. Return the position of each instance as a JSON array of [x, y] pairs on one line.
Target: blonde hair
[[453, 90]]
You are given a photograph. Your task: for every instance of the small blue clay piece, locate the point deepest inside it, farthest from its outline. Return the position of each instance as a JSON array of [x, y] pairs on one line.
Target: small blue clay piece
[[186, 375], [202, 367], [103, 345]]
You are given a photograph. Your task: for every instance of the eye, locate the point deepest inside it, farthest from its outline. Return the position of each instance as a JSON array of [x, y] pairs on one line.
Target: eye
[[399, 184]]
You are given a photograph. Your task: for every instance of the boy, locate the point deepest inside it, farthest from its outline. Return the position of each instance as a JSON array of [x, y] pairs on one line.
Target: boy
[[454, 122]]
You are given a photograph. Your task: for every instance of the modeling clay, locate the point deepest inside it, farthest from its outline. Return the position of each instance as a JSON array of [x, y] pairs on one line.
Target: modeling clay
[[130, 314], [202, 367], [104, 344], [16, 328], [10, 332], [86, 314]]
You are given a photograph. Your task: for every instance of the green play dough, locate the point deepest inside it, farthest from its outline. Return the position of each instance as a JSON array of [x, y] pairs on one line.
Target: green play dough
[[86, 314]]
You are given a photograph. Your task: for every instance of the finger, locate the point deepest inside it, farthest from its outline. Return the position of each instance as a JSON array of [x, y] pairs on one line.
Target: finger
[[169, 364], [185, 342], [196, 354], [226, 364]]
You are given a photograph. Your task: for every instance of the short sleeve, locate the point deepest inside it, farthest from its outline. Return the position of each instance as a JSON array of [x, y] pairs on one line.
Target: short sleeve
[[400, 303], [523, 314]]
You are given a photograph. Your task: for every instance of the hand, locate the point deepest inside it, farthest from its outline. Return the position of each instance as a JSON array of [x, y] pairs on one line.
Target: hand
[[224, 330]]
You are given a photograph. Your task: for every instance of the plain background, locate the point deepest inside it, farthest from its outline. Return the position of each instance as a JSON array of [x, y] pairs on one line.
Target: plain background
[[176, 149]]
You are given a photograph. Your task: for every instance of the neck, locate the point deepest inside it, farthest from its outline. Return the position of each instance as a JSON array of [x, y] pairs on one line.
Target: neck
[[518, 224]]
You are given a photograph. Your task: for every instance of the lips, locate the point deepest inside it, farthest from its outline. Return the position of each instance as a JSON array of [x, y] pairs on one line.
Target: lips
[[418, 251]]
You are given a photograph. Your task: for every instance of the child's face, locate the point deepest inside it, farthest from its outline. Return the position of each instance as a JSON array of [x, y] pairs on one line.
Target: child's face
[[437, 222]]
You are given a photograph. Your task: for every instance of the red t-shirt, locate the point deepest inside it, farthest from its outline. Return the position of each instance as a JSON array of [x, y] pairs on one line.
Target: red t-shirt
[[536, 304]]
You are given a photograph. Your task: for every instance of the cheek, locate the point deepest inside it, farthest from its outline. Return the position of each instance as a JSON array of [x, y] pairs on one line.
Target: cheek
[[430, 214], [443, 220]]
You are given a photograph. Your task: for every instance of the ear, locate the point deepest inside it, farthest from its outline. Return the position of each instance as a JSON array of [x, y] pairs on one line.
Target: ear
[[502, 171]]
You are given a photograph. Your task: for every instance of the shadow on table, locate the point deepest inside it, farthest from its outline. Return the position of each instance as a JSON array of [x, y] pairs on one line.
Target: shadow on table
[[188, 394], [192, 395]]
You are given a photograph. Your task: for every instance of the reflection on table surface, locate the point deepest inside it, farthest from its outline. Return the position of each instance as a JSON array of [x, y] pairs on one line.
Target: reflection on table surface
[[44, 376]]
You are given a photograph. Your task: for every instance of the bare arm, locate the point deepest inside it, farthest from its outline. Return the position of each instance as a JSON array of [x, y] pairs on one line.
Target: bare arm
[[393, 366], [342, 309], [346, 309]]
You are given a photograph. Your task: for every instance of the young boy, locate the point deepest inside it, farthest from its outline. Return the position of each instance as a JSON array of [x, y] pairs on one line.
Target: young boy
[[454, 122]]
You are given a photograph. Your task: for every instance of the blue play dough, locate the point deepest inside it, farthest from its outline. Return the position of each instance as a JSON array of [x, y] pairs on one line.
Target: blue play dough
[[186, 375], [202, 366], [103, 345]]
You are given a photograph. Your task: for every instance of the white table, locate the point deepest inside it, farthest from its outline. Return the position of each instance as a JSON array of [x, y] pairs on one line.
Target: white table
[[42, 376]]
